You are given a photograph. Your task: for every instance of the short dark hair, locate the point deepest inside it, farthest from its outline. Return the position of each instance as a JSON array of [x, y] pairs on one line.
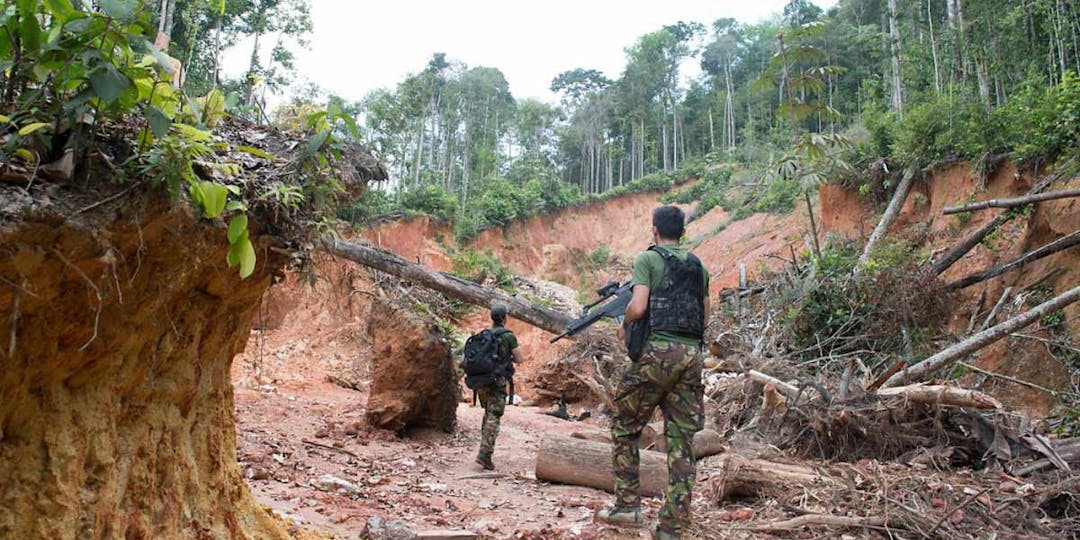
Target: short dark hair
[[498, 313], [669, 222]]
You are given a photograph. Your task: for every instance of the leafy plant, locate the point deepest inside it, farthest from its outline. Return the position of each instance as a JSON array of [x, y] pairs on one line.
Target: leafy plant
[[481, 267]]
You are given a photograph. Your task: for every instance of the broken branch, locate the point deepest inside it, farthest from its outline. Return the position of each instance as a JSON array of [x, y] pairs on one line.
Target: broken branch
[[1013, 202], [791, 391], [810, 520], [956, 352], [937, 394], [1056, 246]]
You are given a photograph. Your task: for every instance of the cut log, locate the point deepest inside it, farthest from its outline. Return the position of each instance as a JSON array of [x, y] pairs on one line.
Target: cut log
[[791, 391], [1061, 244], [937, 394], [887, 219], [755, 478], [579, 462], [453, 286], [1013, 202], [958, 351], [978, 236], [707, 442]]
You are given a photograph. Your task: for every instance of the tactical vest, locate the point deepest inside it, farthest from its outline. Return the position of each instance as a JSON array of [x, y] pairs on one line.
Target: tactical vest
[[678, 304]]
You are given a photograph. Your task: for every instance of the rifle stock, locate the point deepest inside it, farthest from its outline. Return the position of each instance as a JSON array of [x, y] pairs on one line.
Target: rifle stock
[[617, 300]]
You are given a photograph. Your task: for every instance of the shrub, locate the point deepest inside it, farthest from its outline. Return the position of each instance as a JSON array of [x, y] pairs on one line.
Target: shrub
[[843, 313], [480, 267], [600, 256], [429, 199]]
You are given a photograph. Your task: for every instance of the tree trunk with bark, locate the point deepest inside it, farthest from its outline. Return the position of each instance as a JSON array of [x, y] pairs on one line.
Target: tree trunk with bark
[[891, 212], [1056, 246], [977, 237], [453, 286], [897, 85], [580, 462], [1013, 202], [947, 357]]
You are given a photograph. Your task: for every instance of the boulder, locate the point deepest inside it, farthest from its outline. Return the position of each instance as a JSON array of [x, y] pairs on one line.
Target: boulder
[[414, 378]]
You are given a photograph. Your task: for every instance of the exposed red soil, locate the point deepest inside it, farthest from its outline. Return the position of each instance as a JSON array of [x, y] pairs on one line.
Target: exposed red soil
[[313, 331]]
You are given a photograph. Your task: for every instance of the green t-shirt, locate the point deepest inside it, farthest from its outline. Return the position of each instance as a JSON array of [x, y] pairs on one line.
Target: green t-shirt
[[649, 270], [508, 341]]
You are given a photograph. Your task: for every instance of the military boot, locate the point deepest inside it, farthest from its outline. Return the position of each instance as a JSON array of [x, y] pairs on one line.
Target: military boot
[[484, 460], [618, 515]]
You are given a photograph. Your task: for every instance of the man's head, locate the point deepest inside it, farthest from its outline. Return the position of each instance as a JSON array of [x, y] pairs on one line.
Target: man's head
[[498, 313], [668, 222]]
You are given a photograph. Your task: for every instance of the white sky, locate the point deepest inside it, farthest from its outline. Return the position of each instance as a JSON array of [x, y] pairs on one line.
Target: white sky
[[358, 46]]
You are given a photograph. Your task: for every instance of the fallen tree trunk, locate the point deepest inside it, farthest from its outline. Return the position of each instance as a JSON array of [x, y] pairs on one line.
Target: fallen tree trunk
[[580, 462], [969, 243], [937, 394], [754, 478], [453, 286], [707, 442], [978, 236], [887, 219], [954, 353], [1061, 244], [587, 463], [1013, 202]]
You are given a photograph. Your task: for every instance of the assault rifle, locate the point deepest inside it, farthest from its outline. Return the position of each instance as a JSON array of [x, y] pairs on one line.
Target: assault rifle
[[617, 298]]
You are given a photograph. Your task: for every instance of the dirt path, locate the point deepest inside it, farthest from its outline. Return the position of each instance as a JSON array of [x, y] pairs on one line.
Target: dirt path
[[428, 480]]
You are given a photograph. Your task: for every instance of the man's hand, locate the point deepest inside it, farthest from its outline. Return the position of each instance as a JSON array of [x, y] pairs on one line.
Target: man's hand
[[620, 333]]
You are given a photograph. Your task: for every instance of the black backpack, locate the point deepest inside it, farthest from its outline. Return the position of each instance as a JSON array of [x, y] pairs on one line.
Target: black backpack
[[482, 362]]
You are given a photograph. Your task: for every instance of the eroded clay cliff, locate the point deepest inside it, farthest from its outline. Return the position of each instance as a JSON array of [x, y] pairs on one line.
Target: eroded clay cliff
[[116, 409]]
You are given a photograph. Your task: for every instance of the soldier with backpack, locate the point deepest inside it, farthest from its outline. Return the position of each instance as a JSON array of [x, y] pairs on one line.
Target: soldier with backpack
[[667, 315], [489, 367]]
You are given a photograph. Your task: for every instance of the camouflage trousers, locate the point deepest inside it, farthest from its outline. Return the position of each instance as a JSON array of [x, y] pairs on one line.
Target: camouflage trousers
[[669, 376], [493, 399]]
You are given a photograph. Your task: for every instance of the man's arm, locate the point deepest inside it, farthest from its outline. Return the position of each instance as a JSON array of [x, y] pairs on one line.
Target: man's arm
[[639, 303], [518, 357]]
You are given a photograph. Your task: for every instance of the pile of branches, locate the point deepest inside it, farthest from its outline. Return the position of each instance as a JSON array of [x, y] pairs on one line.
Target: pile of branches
[[585, 373], [887, 500]]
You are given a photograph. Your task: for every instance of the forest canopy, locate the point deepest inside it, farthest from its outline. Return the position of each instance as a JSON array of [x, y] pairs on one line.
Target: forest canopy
[[809, 95]]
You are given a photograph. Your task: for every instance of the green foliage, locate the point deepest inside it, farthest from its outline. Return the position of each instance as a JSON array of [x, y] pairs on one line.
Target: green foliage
[[71, 72], [1043, 121], [843, 313], [429, 199], [481, 267], [947, 128], [600, 257], [713, 181]]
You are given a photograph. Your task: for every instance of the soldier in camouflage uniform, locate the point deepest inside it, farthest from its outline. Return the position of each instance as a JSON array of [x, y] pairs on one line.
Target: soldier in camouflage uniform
[[493, 397], [671, 298]]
